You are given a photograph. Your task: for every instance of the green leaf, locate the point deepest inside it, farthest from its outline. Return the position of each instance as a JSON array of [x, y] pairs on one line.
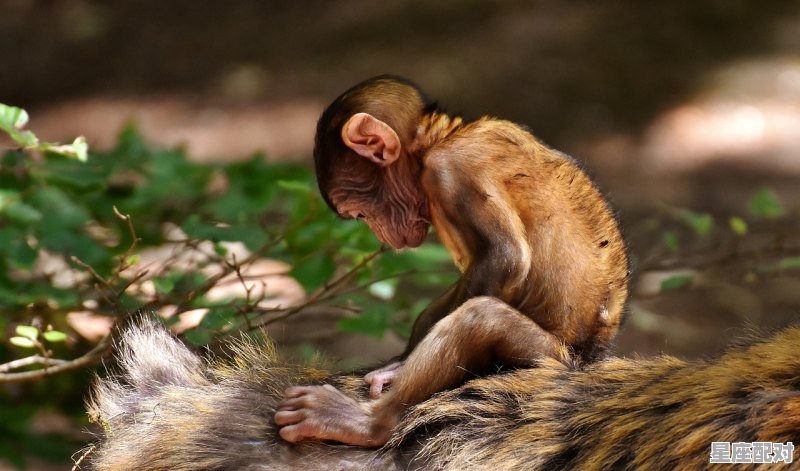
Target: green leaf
[[765, 204], [164, 285], [355, 236], [12, 117], [14, 210], [214, 322], [62, 228], [198, 337], [789, 262], [217, 319], [373, 322], [78, 150], [419, 305], [249, 234], [12, 120], [701, 223], [220, 250], [54, 336], [432, 254], [428, 257], [295, 186], [15, 249], [671, 241], [20, 295], [7, 197], [21, 213], [675, 282], [22, 342], [130, 144], [62, 210], [309, 237], [253, 190], [435, 279], [203, 230], [312, 271], [738, 225], [83, 177], [309, 354], [28, 331]]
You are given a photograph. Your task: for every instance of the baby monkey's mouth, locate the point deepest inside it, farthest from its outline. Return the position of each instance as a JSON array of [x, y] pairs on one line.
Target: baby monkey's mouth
[[416, 236]]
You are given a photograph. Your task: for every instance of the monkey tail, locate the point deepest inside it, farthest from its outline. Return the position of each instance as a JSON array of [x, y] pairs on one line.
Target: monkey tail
[[149, 359], [166, 408], [152, 370]]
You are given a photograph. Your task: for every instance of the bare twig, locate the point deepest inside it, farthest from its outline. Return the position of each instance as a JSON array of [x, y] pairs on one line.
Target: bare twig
[[376, 280], [90, 269], [31, 360], [226, 270], [123, 259], [132, 281], [86, 452], [704, 259], [323, 293], [90, 358], [249, 303]]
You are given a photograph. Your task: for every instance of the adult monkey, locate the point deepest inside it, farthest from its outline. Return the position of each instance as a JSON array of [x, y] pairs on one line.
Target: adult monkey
[[543, 262]]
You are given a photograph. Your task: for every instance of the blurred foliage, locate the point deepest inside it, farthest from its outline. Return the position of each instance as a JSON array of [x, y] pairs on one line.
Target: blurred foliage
[[77, 210], [765, 204], [137, 227], [12, 122], [75, 228], [694, 241]]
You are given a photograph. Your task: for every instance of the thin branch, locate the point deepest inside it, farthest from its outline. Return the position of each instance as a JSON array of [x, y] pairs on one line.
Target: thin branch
[[130, 282], [91, 270], [323, 292], [90, 358], [720, 257], [226, 270], [31, 360], [123, 259], [249, 303], [84, 454], [376, 280]]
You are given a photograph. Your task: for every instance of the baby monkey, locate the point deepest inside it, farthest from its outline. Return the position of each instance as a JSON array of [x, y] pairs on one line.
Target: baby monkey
[[544, 266]]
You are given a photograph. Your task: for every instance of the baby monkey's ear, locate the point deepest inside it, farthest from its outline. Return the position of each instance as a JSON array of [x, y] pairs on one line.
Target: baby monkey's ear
[[370, 137]]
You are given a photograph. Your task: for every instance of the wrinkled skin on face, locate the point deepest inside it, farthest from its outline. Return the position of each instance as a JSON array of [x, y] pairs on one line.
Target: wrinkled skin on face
[[397, 227], [389, 200]]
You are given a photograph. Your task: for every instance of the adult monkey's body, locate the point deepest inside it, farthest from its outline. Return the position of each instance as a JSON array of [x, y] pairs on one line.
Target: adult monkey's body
[[544, 268]]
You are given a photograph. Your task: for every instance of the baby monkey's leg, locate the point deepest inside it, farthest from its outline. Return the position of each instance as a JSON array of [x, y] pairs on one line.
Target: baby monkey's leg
[[481, 333]]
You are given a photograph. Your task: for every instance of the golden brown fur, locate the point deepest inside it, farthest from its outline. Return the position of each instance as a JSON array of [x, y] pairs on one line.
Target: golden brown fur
[[522, 222], [543, 262], [169, 410], [564, 263]]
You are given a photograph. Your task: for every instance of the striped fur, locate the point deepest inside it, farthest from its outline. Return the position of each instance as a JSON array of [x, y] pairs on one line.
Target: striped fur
[[167, 409]]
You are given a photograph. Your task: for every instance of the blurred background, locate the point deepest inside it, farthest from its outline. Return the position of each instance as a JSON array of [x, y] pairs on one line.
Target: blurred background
[[681, 110]]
